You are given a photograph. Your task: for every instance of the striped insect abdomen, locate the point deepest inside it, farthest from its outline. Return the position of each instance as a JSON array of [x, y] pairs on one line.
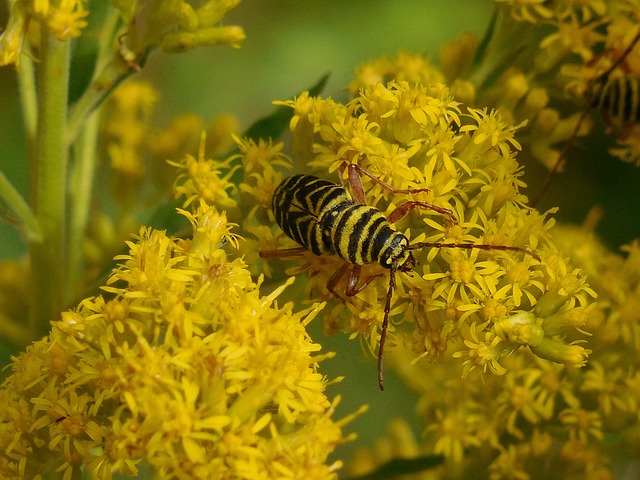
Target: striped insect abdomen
[[620, 99], [362, 234], [299, 202]]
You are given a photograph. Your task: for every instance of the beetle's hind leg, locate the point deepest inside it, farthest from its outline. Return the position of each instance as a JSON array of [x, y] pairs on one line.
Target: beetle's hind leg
[[355, 171], [353, 282], [283, 252]]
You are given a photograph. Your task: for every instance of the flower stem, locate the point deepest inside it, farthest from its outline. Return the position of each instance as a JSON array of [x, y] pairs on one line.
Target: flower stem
[[28, 97], [80, 194], [49, 185]]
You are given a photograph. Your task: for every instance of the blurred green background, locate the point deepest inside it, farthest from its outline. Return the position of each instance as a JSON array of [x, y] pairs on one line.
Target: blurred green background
[[290, 44]]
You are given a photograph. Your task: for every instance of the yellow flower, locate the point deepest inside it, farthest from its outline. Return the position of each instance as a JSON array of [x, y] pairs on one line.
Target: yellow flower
[[533, 11], [455, 431], [510, 463], [13, 36], [404, 67], [260, 156], [182, 365], [176, 26], [581, 423], [68, 20], [413, 136], [520, 400], [126, 127], [203, 180]]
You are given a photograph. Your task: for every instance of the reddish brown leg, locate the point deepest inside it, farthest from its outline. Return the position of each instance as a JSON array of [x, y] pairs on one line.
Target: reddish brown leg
[[401, 211], [335, 278], [354, 172], [352, 282], [621, 58], [283, 252], [353, 289], [561, 159], [354, 177]]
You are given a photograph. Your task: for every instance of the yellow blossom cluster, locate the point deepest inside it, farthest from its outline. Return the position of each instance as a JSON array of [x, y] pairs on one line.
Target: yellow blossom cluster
[[590, 44], [173, 25], [65, 19], [540, 420], [181, 365], [125, 130], [189, 364], [136, 172], [414, 136], [536, 50]]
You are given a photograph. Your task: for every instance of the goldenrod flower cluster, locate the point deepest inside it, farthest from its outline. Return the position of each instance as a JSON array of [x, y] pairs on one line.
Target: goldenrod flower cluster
[[64, 20], [193, 359], [540, 420], [470, 311], [173, 25], [546, 62], [180, 365], [587, 46], [488, 303]]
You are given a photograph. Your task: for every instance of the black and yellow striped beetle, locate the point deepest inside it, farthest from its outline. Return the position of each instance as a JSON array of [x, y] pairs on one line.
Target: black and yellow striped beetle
[[617, 98], [322, 217]]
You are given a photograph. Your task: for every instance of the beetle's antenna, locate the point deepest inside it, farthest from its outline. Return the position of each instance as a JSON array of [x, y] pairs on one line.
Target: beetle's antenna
[[479, 246]]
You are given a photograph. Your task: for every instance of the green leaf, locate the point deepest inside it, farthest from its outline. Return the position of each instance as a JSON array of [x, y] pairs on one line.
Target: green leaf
[[274, 124], [486, 39], [403, 466], [17, 211]]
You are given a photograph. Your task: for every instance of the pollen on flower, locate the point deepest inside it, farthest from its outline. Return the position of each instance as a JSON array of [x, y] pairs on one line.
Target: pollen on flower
[[404, 67], [412, 136], [14, 35], [203, 179], [68, 20], [187, 367]]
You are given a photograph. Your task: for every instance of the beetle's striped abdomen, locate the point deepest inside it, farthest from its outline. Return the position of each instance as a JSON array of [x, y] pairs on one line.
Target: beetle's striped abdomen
[[619, 98], [362, 234], [299, 202], [322, 217]]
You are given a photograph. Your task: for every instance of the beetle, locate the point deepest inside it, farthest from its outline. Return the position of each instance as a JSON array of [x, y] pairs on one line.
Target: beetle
[[617, 98], [323, 218]]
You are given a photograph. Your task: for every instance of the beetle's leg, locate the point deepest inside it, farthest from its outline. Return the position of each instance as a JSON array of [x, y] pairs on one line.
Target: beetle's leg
[[561, 160], [283, 252], [402, 210], [352, 288], [335, 278], [356, 184], [620, 61], [354, 277], [356, 170]]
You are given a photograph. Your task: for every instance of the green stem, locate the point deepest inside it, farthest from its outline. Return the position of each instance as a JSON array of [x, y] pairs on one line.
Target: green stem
[[28, 97], [49, 185], [80, 194], [82, 167], [113, 74], [25, 219]]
